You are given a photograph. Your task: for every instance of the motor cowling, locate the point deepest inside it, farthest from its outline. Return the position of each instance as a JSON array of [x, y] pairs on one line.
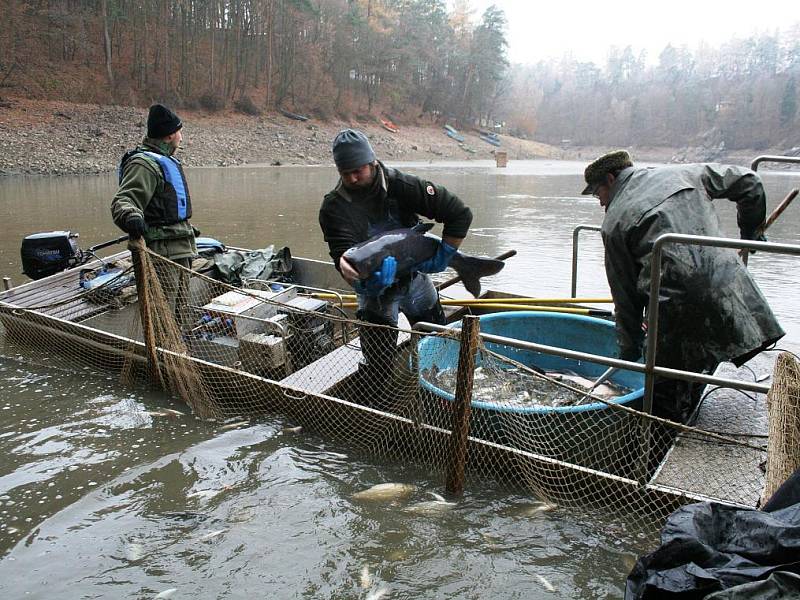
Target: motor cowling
[[49, 252]]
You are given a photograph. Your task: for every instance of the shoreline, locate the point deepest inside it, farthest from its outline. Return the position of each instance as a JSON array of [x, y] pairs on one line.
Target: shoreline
[[52, 138]]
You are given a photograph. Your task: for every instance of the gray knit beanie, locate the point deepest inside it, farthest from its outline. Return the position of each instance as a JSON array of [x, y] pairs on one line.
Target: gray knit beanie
[[351, 149]]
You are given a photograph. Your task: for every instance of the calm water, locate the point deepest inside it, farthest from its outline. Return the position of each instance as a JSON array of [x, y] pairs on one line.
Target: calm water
[[101, 499]]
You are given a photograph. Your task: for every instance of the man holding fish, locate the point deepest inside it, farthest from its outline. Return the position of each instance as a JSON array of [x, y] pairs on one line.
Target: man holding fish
[[370, 200]]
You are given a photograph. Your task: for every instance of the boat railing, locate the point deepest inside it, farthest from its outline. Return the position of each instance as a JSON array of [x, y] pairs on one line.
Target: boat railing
[[575, 234], [649, 368], [773, 158]]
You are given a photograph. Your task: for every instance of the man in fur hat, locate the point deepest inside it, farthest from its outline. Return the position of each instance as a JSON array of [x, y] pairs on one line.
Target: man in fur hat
[[710, 309]]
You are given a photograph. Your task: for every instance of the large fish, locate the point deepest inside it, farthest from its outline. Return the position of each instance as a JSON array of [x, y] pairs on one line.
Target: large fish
[[412, 246], [386, 491]]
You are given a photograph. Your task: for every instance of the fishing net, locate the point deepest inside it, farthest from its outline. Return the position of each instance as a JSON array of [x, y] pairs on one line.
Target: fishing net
[[783, 403], [284, 340], [160, 318]]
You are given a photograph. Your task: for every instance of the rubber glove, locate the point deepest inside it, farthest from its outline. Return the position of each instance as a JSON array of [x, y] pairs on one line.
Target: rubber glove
[[439, 261], [760, 238], [375, 284], [135, 226]]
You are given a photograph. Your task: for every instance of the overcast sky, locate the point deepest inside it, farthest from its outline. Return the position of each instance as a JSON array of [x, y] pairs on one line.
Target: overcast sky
[[548, 28]]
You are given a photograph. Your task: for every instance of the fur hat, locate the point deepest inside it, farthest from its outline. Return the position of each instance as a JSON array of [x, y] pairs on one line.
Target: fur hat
[[162, 122], [351, 149], [596, 172]]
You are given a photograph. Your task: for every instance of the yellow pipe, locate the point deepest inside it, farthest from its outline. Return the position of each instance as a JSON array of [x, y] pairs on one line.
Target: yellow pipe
[[325, 296], [501, 306], [468, 301], [492, 300]]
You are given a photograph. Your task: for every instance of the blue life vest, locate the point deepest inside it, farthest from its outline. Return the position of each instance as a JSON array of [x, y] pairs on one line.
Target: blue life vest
[[174, 204]]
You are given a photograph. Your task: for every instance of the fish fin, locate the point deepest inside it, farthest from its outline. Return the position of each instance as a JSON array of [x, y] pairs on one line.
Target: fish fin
[[472, 268], [422, 227]]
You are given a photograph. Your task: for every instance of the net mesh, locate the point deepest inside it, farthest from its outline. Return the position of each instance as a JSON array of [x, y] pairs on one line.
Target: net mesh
[[783, 403], [290, 345]]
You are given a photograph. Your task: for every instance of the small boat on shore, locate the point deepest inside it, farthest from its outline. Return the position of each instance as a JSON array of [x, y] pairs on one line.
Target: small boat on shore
[[453, 133], [388, 125], [292, 115], [490, 139]]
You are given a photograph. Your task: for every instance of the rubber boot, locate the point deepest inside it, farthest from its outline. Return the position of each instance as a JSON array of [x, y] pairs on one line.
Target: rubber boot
[[378, 351]]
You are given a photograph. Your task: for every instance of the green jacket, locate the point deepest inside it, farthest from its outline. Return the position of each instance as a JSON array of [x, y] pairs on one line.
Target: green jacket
[[142, 189], [710, 309]]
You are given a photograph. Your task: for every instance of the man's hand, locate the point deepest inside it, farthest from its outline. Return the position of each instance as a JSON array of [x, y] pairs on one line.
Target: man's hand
[[135, 226], [375, 284], [439, 261], [348, 272]]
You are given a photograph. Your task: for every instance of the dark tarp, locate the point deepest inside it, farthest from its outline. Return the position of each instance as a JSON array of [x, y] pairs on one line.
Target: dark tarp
[[709, 547], [235, 266], [780, 585]]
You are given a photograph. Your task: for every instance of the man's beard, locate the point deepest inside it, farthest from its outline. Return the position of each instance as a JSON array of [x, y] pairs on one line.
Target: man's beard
[[362, 187]]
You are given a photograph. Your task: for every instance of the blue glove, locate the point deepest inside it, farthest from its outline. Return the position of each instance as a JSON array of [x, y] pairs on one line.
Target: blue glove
[[379, 280], [439, 261]]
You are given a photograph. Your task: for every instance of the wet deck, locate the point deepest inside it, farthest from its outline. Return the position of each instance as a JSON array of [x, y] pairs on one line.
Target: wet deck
[[59, 295], [322, 375], [706, 469]]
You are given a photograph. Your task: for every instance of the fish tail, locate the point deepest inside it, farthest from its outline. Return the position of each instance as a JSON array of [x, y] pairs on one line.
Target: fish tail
[[472, 268]]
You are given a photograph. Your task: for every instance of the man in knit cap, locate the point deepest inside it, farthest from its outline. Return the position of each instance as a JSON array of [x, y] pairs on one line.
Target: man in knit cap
[[153, 200], [710, 309], [371, 198]]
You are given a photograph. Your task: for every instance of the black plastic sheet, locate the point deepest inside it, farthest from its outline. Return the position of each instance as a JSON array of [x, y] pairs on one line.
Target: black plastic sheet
[[708, 548]]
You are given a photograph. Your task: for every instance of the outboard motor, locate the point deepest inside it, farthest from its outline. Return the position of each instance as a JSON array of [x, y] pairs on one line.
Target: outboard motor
[[50, 252]]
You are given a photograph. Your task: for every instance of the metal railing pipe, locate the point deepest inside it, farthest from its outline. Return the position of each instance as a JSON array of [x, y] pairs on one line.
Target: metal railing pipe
[[604, 360], [771, 158], [575, 233]]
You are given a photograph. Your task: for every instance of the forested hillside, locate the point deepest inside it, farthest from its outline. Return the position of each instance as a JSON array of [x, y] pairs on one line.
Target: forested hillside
[[326, 57], [416, 61], [743, 94]]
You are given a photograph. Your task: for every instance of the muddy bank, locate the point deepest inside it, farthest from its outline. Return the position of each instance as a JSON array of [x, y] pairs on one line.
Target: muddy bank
[[57, 138], [60, 138]]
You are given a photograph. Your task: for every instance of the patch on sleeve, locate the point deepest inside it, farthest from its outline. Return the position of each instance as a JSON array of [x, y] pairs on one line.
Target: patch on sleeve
[[430, 190]]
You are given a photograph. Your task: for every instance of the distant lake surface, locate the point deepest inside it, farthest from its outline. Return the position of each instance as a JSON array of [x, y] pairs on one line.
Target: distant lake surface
[[100, 499]]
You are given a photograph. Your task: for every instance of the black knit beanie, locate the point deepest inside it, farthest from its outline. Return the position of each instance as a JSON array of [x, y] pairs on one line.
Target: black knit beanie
[[161, 122]]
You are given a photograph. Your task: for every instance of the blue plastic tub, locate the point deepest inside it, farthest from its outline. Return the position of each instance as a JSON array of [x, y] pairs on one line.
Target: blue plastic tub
[[592, 435]]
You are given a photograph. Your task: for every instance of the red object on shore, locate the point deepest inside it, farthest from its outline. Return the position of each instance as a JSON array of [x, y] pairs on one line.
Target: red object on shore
[[389, 126]]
